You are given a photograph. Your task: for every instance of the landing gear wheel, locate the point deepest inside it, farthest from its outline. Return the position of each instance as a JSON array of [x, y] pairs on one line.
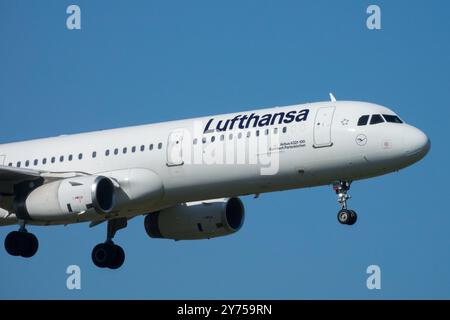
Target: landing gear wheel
[[353, 217], [347, 217], [12, 243], [108, 255], [30, 245], [344, 216], [119, 258], [101, 254], [21, 243]]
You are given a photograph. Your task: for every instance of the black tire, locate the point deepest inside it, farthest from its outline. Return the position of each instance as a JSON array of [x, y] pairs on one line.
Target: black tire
[[119, 258], [344, 216], [12, 243], [353, 218], [29, 245], [103, 254]]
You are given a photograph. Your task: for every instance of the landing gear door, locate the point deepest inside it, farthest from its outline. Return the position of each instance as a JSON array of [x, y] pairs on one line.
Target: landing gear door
[[322, 127], [175, 149]]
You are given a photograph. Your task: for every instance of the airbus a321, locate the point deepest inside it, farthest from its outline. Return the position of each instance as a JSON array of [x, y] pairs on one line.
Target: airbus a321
[[186, 176]]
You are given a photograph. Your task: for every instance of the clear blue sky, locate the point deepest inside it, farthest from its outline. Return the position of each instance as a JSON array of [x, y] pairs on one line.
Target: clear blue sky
[[149, 61]]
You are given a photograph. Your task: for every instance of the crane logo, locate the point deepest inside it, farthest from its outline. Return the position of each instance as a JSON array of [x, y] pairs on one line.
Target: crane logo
[[361, 139]]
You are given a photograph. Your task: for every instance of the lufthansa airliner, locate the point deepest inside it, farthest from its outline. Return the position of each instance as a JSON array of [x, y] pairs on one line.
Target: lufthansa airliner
[[186, 176]]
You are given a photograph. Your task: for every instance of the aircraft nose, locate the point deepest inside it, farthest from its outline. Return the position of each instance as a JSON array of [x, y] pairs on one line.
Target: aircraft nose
[[417, 143]]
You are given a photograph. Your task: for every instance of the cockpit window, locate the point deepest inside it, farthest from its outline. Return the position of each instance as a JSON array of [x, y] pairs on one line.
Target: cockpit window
[[392, 118], [376, 118], [363, 120]]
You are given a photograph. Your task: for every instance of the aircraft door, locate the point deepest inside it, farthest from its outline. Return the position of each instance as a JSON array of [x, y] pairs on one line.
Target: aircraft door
[[2, 160], [175, 149], [322, 127]]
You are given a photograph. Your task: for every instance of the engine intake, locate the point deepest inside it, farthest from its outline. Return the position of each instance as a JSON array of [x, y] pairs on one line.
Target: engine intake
[[103, 194], [197, 220]]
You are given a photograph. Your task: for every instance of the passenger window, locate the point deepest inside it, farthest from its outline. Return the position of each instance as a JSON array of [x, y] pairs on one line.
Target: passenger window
[[44, 161], [249, 134], [80, 156], [27, 163], [10, 164], [160, 145], [222, 137], [284, 129], [151, 146], [230, 136], [142, 148], [257, 133], [275, 130], [53, 159], [195, 141], [239, 135], [133, 149], [61, 159], [213, 138], [124, 150], [363, 120], [18, 164], [70, 157], [116, 151], [266, 132], [94, 154], [107, 153], [392, 118], [376, 118], [35, 162]]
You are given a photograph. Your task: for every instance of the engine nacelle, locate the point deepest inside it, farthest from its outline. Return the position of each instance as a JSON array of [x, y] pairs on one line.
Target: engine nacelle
[[197, 220], [136, 187], [62, 198]]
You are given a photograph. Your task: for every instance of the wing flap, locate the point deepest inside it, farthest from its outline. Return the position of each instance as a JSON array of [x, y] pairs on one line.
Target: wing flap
[[10, 176]]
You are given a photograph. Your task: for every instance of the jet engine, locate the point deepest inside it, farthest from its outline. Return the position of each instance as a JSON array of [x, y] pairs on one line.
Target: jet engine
[[196, 220], [62, 198]]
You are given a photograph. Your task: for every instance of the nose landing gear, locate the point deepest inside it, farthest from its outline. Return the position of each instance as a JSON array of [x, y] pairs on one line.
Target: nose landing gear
[[345, 215]]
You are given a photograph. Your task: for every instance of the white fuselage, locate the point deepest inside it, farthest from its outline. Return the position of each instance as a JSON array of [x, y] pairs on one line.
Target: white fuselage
[[315, 144]]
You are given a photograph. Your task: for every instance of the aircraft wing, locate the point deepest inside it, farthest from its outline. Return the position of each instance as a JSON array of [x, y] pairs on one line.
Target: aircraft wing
[[11, 176]]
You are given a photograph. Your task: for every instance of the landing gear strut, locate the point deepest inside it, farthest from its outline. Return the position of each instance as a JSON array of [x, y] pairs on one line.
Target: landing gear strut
[[108, 254], [21, 243], [345, 215]]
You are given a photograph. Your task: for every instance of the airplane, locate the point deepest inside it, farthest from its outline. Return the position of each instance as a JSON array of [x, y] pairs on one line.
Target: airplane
[[186, 176]]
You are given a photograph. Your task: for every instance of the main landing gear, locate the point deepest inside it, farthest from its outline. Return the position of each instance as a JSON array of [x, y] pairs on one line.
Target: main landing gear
[[21, 243], [345, 215], [108, 254]]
